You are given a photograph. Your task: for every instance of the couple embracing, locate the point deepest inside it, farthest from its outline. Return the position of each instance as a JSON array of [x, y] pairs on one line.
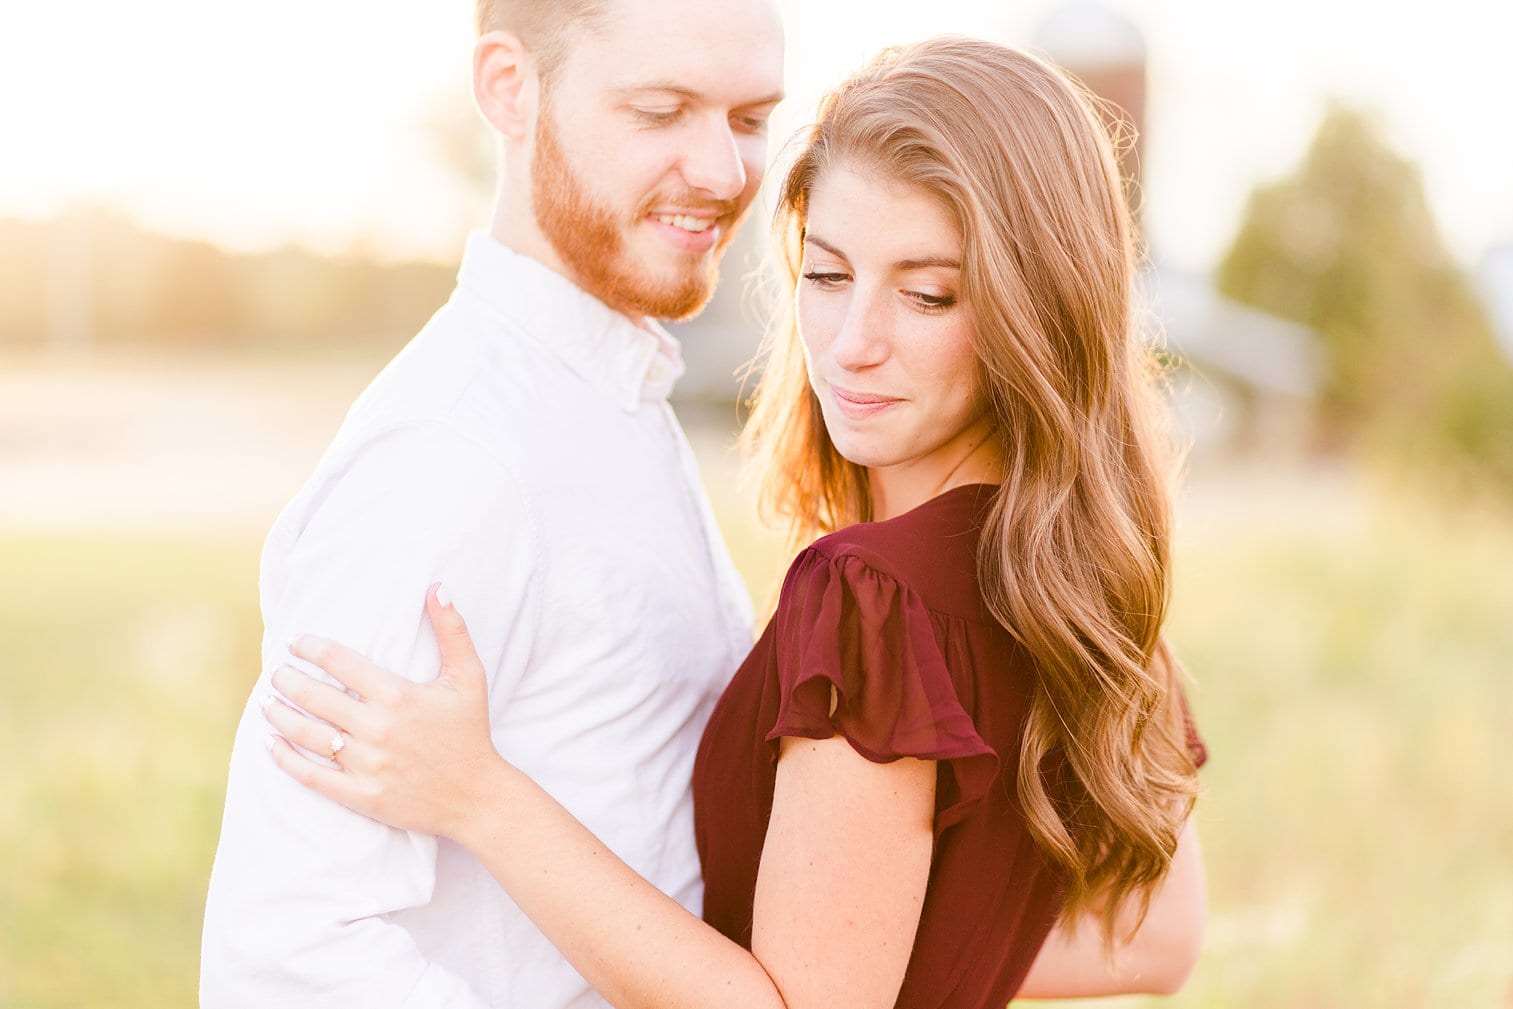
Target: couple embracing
[[955, 768]]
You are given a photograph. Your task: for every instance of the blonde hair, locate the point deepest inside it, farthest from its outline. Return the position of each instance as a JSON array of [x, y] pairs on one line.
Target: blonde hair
[[1074, 559]]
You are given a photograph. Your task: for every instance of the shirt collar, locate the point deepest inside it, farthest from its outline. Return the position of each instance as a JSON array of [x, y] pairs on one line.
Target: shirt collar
[[628, 361]]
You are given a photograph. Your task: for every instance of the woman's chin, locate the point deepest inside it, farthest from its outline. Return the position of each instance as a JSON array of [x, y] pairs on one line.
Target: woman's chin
[[871, 442], [859, 453]]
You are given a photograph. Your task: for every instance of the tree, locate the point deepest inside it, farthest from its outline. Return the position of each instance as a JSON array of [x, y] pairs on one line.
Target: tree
[[1347, 245]]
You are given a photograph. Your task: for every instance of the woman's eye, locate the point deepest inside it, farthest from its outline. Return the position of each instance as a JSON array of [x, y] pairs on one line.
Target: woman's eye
[[825, 279], [931, 303]]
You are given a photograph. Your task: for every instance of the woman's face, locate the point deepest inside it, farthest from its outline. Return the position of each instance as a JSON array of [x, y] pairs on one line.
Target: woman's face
[[886, 338]]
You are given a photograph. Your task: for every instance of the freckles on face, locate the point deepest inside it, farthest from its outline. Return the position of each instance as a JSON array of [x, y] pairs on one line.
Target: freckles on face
[[886, 336]]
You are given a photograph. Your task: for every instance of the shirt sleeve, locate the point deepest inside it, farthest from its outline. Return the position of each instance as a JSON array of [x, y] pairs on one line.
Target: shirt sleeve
[[856, 655], [303, 889]]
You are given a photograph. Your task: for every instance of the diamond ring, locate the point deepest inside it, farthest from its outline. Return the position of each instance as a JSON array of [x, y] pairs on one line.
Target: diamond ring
[[338, 741]]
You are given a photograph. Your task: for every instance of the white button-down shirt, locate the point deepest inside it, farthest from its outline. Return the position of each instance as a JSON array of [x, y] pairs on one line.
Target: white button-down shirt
[[521, 451]]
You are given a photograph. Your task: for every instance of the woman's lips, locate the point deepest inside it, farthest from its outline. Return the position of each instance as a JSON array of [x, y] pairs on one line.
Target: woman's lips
[[856, 405]]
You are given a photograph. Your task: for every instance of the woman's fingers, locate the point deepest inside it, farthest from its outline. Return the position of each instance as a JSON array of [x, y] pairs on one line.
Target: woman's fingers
[[459, 659], [416, 750], [307, 733], [321, 700], [351, 669], [331, 782]]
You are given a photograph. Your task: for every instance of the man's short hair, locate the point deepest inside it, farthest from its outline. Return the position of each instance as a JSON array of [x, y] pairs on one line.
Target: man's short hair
[[543, 26]]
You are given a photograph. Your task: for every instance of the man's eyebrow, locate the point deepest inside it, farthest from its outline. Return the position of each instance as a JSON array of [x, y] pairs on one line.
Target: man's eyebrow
[[687, 93], [666, 87], [919, 263], [772, 99]]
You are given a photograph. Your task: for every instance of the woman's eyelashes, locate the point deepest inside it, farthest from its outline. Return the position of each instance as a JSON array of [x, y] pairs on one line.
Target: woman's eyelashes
[[826, 280], [930, 304]]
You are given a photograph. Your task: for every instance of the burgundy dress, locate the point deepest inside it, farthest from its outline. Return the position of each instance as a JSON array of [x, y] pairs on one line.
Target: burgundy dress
[[890, 615]]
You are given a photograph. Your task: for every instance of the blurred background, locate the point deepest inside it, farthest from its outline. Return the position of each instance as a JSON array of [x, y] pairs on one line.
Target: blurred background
[[217, 222]]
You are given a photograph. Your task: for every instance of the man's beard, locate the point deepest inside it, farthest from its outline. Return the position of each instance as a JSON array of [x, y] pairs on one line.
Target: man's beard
[[591, 243]]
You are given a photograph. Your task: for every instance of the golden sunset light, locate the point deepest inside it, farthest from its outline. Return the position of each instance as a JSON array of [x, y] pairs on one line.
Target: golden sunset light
[[291, 121], [1107, 405]]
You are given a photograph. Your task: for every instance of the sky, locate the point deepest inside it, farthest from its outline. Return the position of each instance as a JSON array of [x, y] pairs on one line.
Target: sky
[[254, 125]]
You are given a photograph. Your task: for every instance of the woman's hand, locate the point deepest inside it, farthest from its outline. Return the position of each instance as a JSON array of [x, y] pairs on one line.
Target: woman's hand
[[413, 755], [1157, 960]]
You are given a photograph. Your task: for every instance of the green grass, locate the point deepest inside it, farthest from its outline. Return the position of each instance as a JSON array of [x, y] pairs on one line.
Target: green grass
[[1353, 684], [1354, 688], [126, 662]]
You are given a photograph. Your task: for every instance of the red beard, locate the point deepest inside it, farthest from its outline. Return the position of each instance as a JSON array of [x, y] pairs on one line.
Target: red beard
[[591, 243]]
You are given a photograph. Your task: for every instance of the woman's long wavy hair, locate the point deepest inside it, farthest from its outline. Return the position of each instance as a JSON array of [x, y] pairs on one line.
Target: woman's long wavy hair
[[1075, 556]]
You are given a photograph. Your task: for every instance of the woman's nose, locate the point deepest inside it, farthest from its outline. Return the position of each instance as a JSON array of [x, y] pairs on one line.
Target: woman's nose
[[861, 342]]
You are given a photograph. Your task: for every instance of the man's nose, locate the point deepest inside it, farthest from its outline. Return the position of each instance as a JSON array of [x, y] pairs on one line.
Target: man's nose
[[713, 163]]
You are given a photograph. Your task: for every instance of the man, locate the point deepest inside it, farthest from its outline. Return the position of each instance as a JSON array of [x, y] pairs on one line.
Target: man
[[521, 451]]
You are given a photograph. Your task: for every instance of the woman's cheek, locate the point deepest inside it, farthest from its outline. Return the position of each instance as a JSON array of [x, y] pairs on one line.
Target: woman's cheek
[[811, 332]]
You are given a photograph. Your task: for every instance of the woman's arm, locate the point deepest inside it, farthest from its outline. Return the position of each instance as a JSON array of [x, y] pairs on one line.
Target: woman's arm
[[835, 915], [1073, 962], [838, 896]]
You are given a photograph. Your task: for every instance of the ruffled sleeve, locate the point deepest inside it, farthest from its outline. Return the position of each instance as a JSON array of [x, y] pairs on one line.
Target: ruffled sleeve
[[844, 626]]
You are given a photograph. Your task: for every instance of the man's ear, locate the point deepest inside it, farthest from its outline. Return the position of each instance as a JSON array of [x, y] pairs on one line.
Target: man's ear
[[505, 83]]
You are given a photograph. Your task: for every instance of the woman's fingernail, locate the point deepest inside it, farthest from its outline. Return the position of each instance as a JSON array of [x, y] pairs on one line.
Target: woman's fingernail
[[265, 702], [442, 595], [269, 741], [293, 644]]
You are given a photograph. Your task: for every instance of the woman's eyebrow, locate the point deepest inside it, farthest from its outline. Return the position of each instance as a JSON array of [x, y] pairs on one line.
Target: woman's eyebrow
[[914, 263], [811, 239], [924, 262]]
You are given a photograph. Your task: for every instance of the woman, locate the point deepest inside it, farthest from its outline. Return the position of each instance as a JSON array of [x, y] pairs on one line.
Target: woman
[[961, 725]]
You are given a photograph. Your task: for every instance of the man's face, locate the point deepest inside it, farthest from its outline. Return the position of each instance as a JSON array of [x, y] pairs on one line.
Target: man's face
[[651, 144]]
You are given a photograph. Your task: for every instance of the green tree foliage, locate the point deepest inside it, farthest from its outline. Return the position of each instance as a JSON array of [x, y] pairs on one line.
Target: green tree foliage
[[1348, 246]]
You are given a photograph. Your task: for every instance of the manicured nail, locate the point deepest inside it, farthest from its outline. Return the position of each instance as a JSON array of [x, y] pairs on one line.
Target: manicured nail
[[442, 595], [265, 702], [293, 644], [269, 741]]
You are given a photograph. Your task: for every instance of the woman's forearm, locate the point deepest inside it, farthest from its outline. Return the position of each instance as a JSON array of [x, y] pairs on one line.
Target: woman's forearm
[[833, 925], [633, 943]]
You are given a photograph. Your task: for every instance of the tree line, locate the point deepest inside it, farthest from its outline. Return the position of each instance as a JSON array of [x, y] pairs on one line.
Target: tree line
[[95, 271]]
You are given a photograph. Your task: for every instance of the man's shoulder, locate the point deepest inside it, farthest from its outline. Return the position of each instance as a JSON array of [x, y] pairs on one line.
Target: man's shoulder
[[450, 372], [455, 382], [399, 485], [406, 448]]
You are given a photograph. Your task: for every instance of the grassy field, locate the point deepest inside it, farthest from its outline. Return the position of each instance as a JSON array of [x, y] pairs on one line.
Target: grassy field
[[125, 668], [1353, 684]]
